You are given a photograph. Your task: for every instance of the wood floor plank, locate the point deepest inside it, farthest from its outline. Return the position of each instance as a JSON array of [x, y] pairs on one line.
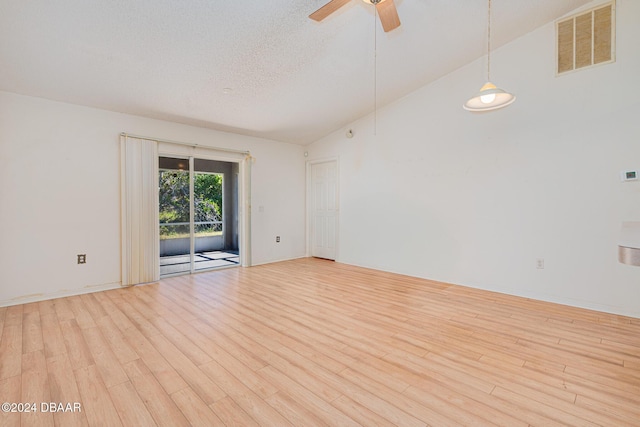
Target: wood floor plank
[[359, 413], [314, 342], [518, 379], [321, 408], [135, 318], [35, 388], [607, 394], [93, 307], [294, 412], [532, 411], [46, 307], [164, 372], [160, 405], [14, 315], [10, 392], [155, 297], [194, 409], [603, 377], [624, 414], [432, 411], [106, 361], [129, 407], [11, 351], [164, 321], [80, 313], [190, 373], [64, 389], [629, 352], [245, 374], [632, 364], [231, 414], [52, 338], [77, 348], [32, 331], [98, 405], [287, 360], [474, 413], [63, 310], [118, 318], [120, 347], [250, 402], [3, 313], [218, 345], [441, 368], [302, 346]]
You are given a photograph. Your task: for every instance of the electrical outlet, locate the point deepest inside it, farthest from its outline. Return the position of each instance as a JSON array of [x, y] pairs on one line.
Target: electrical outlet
[[629, 175], [540, 263], [277, 239], [82, 258]]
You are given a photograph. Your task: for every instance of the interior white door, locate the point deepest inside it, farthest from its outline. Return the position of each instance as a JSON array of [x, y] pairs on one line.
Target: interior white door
[[324, 209]]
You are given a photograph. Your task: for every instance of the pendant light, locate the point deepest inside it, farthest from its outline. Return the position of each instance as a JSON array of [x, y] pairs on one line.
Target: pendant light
[[490, 97]]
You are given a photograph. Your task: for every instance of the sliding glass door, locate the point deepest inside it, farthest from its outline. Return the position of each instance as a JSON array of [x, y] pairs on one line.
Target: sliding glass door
[[198, 198], [175, 216]]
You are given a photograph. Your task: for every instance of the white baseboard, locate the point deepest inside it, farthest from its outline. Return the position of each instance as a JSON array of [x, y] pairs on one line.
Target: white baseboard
[[59, 294], [255, 264]]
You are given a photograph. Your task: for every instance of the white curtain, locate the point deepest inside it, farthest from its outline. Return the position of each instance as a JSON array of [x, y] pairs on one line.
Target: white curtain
[[139, 195]]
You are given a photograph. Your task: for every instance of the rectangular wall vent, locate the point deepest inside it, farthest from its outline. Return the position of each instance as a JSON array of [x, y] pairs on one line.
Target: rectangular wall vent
[[586, 39]]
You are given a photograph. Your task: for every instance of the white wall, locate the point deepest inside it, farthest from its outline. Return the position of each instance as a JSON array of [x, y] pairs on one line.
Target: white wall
[[475, 199], [60, 194]]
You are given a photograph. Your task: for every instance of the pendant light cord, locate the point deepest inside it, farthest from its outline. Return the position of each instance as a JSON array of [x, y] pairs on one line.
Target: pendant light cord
[[489, 42], [375, 71], [490, 97]]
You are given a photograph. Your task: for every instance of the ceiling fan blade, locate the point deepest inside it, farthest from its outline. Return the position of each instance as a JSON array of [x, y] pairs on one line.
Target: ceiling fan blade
[[388, 15], [328, 9]]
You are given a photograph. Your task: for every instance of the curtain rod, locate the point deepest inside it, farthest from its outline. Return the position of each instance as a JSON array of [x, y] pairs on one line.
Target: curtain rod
[[188, 144]]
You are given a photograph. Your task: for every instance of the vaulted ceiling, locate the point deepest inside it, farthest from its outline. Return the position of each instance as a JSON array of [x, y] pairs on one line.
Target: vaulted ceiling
[[259, 68]]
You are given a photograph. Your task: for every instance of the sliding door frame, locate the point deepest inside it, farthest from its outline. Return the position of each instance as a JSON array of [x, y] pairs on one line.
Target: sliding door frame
[[184, 151]]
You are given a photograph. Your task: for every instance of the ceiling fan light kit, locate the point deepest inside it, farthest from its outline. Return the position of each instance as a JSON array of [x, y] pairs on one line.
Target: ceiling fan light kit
[[490, 97]]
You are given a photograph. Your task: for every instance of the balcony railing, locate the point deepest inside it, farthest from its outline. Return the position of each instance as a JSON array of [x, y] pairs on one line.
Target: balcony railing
[[175, 230]]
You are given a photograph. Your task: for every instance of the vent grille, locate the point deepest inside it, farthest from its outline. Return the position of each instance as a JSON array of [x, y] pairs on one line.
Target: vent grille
[[586, 39]]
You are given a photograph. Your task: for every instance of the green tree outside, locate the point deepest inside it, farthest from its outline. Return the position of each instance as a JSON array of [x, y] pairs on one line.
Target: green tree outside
[[174, 203]]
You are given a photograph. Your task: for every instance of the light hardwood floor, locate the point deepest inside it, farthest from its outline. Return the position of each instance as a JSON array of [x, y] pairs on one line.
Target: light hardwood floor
[[311, 342]]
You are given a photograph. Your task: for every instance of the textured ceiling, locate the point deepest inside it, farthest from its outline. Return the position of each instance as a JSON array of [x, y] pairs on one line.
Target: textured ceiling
[[259, 68]]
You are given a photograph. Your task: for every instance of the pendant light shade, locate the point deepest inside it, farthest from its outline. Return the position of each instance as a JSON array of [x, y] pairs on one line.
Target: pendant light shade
[[490, 97]]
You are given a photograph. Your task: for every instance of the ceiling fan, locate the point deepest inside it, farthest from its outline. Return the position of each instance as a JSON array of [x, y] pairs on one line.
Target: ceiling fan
[[386, 10]]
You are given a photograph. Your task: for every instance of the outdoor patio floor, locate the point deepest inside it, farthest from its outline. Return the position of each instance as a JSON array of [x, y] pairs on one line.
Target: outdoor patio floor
[[203, 261]]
